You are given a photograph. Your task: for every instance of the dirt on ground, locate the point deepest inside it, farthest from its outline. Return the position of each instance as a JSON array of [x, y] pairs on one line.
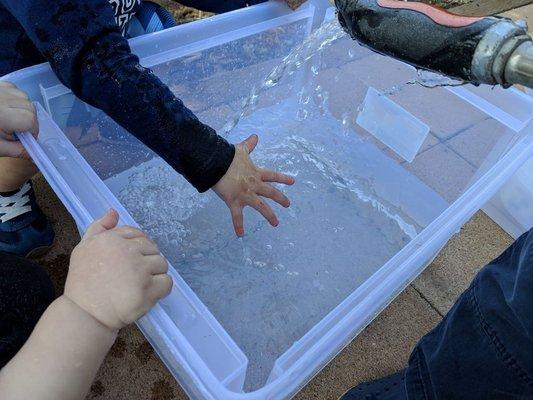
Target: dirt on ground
[[184, 14]]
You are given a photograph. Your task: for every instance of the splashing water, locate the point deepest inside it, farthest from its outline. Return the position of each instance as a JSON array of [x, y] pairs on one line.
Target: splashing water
[[314, 44], [431, 79], [319, 40], [279, 281], [338, 231]]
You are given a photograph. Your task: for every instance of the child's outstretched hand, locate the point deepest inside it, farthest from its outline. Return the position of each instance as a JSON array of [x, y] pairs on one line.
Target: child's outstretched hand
[[116, 273], [17, 114], [244, 184]]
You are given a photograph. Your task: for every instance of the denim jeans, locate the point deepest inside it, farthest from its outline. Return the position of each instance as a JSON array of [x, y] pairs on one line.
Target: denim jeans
[[483, 348], [25, 293]]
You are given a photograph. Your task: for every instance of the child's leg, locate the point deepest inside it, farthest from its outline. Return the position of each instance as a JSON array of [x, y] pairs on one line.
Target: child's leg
[[24, 229], [25, 292], [482, 348], [15, 172], [150, 18]]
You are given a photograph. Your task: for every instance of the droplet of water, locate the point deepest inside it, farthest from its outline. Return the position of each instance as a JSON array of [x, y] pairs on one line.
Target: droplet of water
[[315, 69], [351, 53], [431, 79], [230, 125], [392, 91], [345, 122], [302, 114], [325, 98]]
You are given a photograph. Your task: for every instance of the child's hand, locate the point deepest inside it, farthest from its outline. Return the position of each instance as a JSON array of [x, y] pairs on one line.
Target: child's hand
[[244, 183], [116, 273], [17, 114]]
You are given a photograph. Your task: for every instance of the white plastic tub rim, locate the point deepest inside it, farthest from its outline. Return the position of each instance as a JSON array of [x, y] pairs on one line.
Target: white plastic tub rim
[[313, 351]]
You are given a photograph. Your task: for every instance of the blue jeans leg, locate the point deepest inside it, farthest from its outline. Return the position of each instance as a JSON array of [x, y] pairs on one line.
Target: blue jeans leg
[[483, 348]]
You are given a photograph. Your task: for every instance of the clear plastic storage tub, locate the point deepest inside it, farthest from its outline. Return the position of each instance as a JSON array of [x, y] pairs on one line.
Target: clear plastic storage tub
[[387, 171], [512, 206]]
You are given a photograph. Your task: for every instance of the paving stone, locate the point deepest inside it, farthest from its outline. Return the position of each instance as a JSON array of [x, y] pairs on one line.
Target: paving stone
[[428, 143], [342, 51], [443, 170], [444, 112], [382, 348], [382, 73], [215, 90], [524, 13], [345, 93], [478, 242], [476, 143]]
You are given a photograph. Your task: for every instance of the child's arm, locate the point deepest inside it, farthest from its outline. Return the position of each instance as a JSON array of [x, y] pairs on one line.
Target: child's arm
[[61, 357], [86, 50], [116, 275]]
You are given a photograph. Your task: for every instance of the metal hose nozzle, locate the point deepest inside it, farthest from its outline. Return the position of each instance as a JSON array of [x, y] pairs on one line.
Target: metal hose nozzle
[[519, 68]]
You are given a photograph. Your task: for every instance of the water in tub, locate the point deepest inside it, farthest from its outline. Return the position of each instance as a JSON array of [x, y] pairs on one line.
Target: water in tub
[[271, 287]]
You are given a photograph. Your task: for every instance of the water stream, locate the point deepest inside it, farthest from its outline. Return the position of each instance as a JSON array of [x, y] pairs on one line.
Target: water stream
[[316, 42]]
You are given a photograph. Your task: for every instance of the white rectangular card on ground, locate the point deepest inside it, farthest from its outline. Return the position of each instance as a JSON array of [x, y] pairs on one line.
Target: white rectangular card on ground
[[391, 124]]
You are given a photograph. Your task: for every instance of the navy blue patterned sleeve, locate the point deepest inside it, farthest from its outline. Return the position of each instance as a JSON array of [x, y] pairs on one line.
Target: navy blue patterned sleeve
[[87, 52]]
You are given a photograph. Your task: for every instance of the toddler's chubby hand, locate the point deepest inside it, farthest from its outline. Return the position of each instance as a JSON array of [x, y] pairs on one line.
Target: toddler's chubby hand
[[116, 273], [17, 114]]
